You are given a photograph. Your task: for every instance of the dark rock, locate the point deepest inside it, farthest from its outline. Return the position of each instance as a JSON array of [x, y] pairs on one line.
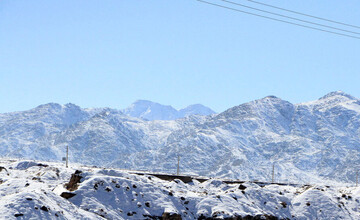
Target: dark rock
[[42, 165], [107, 189], [242, 187], [74, 181], [270, 217], [147, 204], [29, 199], [130, 214], [67, 195], [172, 216], [19, 215], [202, 217], [44, 208]]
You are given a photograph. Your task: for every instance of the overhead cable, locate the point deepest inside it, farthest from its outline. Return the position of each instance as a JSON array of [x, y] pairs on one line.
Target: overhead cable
[[303, 14], [279, 20], [289, 17]]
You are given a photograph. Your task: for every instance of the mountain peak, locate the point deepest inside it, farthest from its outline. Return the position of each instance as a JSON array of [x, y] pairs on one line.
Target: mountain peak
[[337, 94], [196, 109], [50, 105], [150, 110], [71, 105], [154, 111], [271, 97]]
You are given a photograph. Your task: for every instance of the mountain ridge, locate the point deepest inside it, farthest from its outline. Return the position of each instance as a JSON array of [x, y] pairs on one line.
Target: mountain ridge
[[314, 141], [154, 111]]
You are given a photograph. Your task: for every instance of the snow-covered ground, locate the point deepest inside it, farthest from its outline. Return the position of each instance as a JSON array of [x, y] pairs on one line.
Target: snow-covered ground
[[32, 189]]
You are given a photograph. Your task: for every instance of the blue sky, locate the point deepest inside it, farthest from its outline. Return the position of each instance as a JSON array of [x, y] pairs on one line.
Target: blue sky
[[180, 52]]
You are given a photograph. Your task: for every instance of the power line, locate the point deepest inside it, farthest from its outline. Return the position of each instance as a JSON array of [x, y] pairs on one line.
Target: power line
[[303, 14], [279, 20], [289, 17]]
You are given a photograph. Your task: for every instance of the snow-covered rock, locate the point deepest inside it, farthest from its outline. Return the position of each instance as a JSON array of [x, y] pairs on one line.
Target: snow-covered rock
[[41, 192]]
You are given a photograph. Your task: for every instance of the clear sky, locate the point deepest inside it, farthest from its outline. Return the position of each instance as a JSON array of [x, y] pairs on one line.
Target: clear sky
[[179, 52]]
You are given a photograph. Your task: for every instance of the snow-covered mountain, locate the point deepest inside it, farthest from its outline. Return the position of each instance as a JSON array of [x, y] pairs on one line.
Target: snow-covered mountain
[[154, 111], [196, 109], [43, 190], [307, 142]]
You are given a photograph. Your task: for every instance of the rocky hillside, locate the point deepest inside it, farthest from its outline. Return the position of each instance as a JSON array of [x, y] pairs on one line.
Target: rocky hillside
[[44, 190]]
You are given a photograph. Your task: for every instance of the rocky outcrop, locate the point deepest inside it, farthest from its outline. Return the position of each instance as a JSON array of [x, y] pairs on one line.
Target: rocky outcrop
[[74, 181]]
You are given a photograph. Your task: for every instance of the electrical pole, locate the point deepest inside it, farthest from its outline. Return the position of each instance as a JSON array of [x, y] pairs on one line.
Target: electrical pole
[[178, 166], [272, 176], [67, 156]]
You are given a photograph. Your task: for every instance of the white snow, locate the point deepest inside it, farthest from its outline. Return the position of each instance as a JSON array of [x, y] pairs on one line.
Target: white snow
[[34, 193]]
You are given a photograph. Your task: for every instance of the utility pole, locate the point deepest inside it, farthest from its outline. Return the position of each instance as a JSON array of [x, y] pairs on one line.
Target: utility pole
[[178, 166], [272, 176], [67, 156]]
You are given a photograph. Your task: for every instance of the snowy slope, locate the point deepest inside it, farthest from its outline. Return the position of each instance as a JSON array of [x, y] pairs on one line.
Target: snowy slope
[[32, 189], [154, 111], [21, 131], [312, 142]]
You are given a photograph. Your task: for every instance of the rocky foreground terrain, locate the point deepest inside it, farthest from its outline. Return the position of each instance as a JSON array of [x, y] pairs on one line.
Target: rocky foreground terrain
[[44, 190]]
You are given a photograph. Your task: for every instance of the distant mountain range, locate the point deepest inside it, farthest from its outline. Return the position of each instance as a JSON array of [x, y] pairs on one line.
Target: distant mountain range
[[154, 111], [307, 142]]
